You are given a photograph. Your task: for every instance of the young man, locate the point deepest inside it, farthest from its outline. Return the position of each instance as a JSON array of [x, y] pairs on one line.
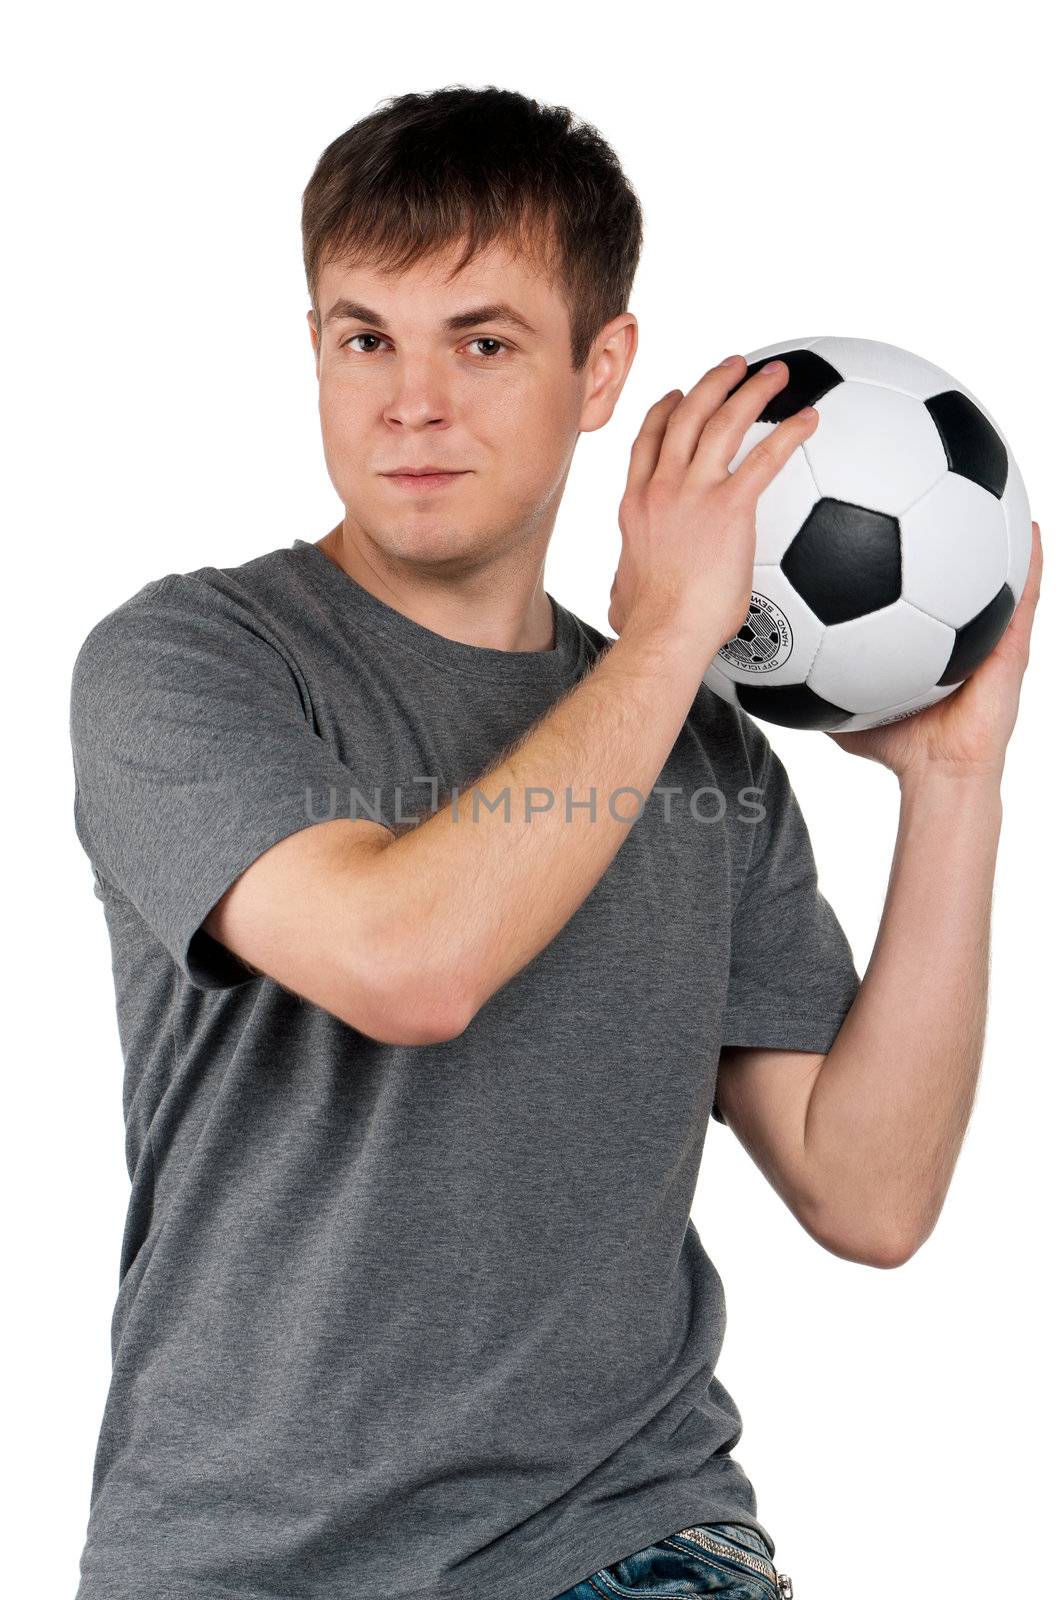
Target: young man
[[438, 919]]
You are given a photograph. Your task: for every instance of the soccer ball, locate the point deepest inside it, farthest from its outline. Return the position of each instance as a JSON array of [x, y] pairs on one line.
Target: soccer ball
[[891, 548]]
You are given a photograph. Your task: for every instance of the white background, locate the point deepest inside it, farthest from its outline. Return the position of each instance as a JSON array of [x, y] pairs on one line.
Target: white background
[[880, 172]]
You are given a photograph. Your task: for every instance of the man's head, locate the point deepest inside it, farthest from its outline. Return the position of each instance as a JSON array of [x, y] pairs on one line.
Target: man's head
[[430, 208]]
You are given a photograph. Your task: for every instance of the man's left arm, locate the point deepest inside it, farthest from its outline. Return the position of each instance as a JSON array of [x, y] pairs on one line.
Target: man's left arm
[[892, 1099], [864, 1144]]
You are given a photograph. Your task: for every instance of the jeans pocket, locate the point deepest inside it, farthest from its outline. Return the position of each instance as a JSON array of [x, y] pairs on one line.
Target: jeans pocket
[[706, 1559]]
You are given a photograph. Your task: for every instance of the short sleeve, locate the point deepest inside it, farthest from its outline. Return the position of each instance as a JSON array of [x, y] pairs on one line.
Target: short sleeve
[[792, 978], [193, 753]]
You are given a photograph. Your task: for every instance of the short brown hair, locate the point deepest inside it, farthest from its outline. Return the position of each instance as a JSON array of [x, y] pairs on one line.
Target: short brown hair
[[426, 170]]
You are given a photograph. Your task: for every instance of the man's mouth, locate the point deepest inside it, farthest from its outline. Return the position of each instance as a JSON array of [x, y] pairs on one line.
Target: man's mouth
[[431, 479]]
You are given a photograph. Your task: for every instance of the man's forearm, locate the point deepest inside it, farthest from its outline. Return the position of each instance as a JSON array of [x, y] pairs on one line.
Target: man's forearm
[[477, 894], [892, 1100]]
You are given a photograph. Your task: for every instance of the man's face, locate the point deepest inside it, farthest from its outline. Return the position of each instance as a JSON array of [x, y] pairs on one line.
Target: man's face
[[499, 402]]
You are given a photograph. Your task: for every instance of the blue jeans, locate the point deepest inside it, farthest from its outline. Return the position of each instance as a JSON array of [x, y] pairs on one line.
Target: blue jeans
[[721, 1558]]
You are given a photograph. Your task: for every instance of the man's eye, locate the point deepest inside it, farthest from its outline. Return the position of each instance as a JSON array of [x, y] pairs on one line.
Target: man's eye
[[355, 336], [486, 339]]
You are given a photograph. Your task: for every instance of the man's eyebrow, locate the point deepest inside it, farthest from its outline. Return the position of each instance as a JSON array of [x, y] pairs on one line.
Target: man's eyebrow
[[497, 311]]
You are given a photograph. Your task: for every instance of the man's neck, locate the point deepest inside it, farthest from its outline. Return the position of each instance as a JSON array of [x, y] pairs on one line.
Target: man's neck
[[512, 619]]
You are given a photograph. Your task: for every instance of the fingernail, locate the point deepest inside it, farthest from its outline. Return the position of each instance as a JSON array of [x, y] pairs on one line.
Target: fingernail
[[772, 366], [732, 361]]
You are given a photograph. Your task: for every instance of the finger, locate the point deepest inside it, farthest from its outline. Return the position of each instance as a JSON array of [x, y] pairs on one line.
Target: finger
[[647, 445], [770, 455], [716, 415], [1036, 559], [1031, 590], [1032, 587]]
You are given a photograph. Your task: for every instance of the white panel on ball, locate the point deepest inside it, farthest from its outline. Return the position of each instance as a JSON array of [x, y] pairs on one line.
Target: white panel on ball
[[871, 361], [752, 436], [784, 506], [875, 448], [874, 719], [883, 658], [954, 550]]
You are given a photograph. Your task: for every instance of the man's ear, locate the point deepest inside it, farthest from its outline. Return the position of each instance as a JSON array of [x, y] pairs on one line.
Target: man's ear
[[607, 368]]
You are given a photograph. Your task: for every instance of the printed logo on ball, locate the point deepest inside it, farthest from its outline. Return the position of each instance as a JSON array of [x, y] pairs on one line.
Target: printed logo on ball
[[899, 716], [763, 642]]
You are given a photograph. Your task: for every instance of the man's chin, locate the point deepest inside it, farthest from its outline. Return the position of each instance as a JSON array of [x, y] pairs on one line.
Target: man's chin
[[432, 543]]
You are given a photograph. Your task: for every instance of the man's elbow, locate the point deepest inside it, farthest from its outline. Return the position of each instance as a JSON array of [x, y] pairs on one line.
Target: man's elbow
[[904, 1240], [894, 1254], [893, 1250], [404, 1003], [438, 1021]]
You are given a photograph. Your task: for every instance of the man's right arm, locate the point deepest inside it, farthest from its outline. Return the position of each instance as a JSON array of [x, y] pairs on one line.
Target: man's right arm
[[406, 937]]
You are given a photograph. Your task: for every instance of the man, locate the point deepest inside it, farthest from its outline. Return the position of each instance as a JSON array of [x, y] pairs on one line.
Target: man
[[438, 919]]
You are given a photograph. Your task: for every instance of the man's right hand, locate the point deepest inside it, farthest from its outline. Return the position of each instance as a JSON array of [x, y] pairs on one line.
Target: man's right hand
[[689, 523]]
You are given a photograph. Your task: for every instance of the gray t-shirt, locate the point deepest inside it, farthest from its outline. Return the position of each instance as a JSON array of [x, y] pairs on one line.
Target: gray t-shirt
[[426, 1321]]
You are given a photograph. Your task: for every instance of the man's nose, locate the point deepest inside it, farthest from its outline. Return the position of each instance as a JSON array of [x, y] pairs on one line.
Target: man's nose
[[420, 393]]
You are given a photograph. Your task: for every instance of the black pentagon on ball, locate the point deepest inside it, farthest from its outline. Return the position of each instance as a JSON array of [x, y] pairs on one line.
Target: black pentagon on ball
[[973, 446], [844, 560], [794, 705], [809, 379], [977, 638]]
